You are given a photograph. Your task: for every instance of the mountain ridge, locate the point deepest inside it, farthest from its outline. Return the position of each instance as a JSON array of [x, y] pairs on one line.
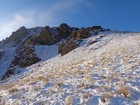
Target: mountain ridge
[[23, 41]]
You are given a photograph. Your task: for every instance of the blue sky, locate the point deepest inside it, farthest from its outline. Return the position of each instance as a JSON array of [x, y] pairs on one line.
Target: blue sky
[[113, 14]]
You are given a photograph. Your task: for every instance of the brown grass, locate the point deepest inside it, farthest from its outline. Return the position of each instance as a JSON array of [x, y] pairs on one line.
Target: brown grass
[[42, 78], [80, 85], [68, 100], [36, 88], [59, 84], [124, 91], [108, 95], [86, 95], [13, 90], [88, 77], [92, 82]]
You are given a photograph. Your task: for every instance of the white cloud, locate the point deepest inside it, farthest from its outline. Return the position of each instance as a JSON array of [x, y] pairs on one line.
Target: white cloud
[[28, 19], [39, 18]]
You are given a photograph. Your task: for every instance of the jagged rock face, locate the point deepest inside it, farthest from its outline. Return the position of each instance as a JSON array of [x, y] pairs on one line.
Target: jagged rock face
[[66, 30], [77, 35], [49, 36], [45, 36], [27, 57]]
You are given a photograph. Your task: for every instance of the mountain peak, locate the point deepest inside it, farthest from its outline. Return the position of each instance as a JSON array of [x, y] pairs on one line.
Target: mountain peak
[[68, 65]]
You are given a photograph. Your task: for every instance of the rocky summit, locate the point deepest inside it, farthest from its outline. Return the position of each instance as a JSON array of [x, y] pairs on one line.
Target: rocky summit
[[21, 45]]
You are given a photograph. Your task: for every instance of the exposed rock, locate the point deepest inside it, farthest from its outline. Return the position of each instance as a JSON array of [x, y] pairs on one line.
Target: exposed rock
[[80, 34], [29, 61], [45, 36], [96, 28], [1, 54], [49, 36], [18, 35], [27, 57], [8, 73], [15, 62], [66, 30], [66, 47]]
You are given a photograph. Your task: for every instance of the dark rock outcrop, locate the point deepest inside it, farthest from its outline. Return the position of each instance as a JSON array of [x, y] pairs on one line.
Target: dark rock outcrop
[[49, 36], [45, 36], [27, 57], [8, 73], [67, 46], [1, 54], [65, 30], [80, 34]]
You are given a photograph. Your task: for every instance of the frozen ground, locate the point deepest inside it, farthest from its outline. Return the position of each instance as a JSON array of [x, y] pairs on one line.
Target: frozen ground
[[103, 73]]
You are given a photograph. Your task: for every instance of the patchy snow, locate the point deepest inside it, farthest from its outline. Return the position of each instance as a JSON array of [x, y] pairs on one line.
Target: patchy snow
[[106, 72], [46, 52]]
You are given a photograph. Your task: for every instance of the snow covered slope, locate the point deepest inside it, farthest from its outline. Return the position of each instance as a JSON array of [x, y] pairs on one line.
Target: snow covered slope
[[5, 61], [46, 52], [104, 70]]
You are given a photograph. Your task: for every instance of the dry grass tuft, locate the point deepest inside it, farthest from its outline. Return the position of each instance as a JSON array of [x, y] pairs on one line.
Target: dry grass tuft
[[86, 95], [92, 82], [7, 86], [124, 91], [13, 90], [68, 100], [88, 77], [108, 95], [81, 85], [34, 80], [32, 83], [37, 88]]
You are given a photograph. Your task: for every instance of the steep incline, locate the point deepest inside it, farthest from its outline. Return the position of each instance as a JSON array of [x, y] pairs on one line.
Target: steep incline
[[103, 70]]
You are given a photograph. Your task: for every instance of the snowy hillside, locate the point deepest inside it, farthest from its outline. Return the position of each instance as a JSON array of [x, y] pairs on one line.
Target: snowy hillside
[[6, 59], [103, 70]]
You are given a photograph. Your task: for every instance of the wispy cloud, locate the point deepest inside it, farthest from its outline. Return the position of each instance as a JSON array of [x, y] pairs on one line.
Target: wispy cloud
[[32, 18]]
